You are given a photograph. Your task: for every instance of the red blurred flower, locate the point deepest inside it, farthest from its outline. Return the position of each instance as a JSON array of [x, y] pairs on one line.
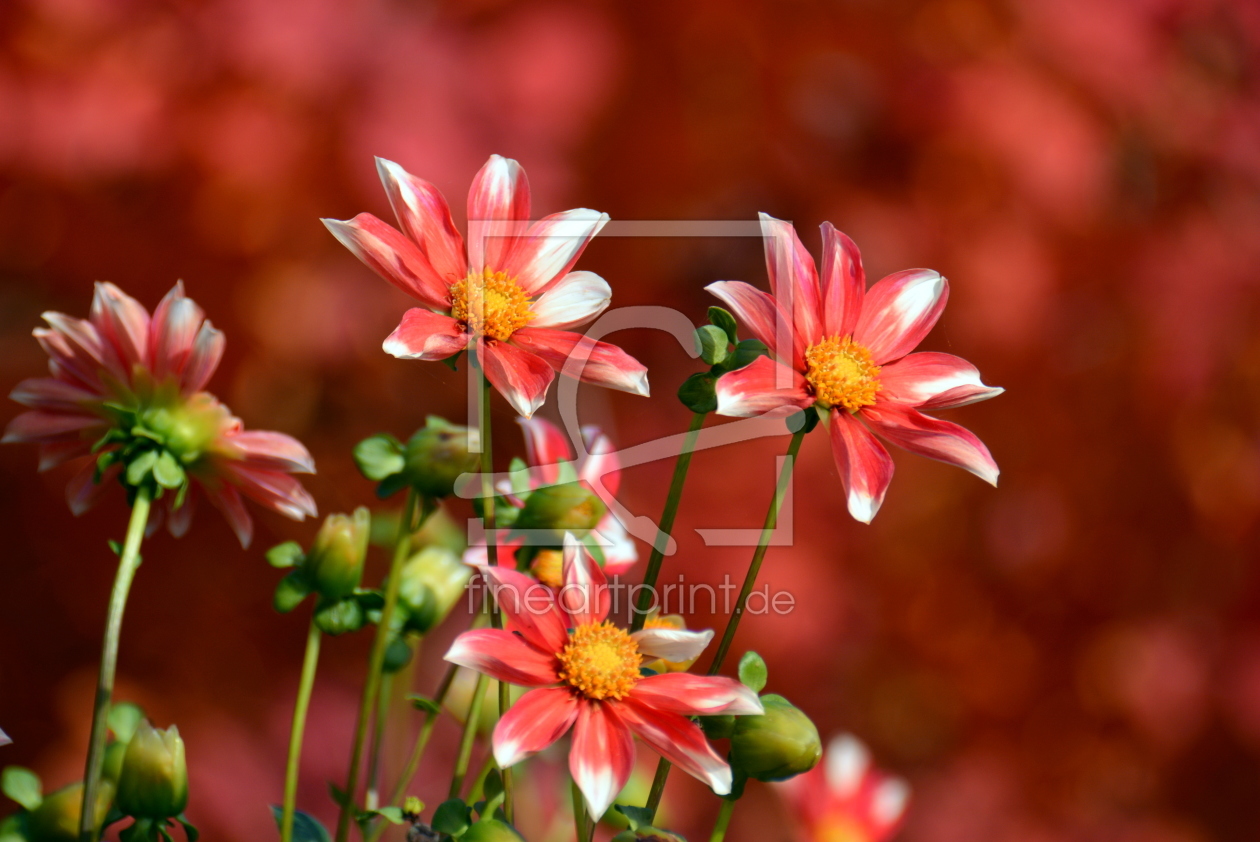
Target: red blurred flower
[[509, 297], [121, 378], [844, 799], [586, 671], [845, 350]]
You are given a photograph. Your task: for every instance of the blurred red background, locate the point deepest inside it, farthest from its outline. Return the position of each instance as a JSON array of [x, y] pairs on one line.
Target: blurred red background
[[1074, 656]]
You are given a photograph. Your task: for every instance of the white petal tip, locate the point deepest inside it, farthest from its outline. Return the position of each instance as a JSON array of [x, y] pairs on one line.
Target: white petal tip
[[863, 509]]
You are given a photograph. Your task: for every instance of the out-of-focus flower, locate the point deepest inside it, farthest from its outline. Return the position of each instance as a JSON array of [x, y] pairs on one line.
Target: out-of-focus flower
[[667, 621], [56, 819], [845, 799], [586, 675], [154, 779], [845, 351], [509, 297], [551, 464], [334, 566], [128, 387]]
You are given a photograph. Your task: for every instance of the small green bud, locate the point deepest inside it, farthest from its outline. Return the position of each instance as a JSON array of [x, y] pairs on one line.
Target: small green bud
[[491, 830], [340, 616], [57, 818], [697, 392], [154, 779], [712, 344], [778, 744], [433, 581], [334, 566], [436, 455], [397, 655], [723, 319], [570, 507]]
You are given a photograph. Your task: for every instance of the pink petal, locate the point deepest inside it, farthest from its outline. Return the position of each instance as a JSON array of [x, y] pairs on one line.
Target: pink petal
[[843, 282], [545, 447], [181, 519], [394, 257], [275, 490], [586, 359], [764, 316], [520, 376], [39, 425], [549, 248], [503, 656], [498, 210], [933, 381], [123, 322], [533, 723], [672, 644], [206, 353], [899, 311], [620, 553], [51, 393], [228, 500], [574, 300], [678, 740], [696, 695], [762, 387], [82, 492], [426, 218], [584, 597], [932, 437], [529, 607], [425, 335], [602, 756], [274, 451], [54, 453], [173, 332], [793, 278], [865, 467], [601, 469], [76, 346]]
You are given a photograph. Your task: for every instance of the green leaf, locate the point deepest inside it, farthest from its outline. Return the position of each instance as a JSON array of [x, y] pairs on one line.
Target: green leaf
[[393, 815], [752, 672], [123, 719], [288, 554], [115, 547], [338, 795], [637, 816], [290, 592], [168, 472], [745, 353], [452, 817], [697, 392], [140, 467], [493, 787], [722, 318], [306, 828], [379, 456], [390, 486], [425, 704], [712, 344], [370, 599], [340, 616], [190, 830], [23, 786]]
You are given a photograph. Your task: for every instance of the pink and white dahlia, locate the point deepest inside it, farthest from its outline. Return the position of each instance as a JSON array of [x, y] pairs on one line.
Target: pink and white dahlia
[[551, 461], [125, 398], [845, 799], [845, 351], [510, 297], [586, 678]]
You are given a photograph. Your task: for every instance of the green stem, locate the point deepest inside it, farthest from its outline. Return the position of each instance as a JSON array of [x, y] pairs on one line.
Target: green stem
[[723, 821], [371, 798], [478, 790], [667, 523], [305, 683], [377, 658], [127, 566], [466, 741], [579, 813]]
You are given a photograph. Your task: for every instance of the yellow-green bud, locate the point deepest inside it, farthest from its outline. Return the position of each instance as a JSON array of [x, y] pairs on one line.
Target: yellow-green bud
[[436, 455], [57, 818], [154, 779], [112, 765], [334, 566], [433, 581], [187, 427], [491, 830], [571, 507], [778, 744]]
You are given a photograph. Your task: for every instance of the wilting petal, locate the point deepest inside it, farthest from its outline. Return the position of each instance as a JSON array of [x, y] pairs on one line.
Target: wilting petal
[[933, 381], [574, 300], [589, 360], [602, 756], [425, 335], [932, 437], [865, 467], [762, 315], [843, 282], [763, 386], [696, 695], [529, 607], [899, 311], [498, 210], [584, 597], [534, 722], [678, 740], [207, 350], [672, 644], [274, 451], [51, 393], [123, 322], [545, 447], [394, 257], [425, 217], [503, 656], [793, 278], [549, 248], [42, 426], [520, 376]]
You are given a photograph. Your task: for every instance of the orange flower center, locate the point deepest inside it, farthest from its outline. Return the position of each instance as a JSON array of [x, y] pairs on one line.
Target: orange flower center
[[842, 373], [840, 829], [600, 661], [548, 567], [490, 304]]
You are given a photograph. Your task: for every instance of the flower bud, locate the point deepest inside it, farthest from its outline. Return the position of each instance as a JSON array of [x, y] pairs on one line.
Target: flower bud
[[570, 507], [57, 818], [778, 744], [154, 779], [491, 830], [334, 566], [436, 455], [433, 581], [111, 767], [647, 834]]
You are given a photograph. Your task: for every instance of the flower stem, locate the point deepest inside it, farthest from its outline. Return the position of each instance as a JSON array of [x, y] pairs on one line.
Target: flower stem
[[579, 813], [305, 683], [657, 558], [127, 565], [376, 660], [466, 741], [723, 821], [372, 798]]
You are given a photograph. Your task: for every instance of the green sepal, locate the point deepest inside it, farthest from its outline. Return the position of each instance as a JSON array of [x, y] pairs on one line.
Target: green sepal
[[379, 456], [23, 786], [190, 830], [288, 554], [752, 671], [721, 317], [493, 786], [636, 817], [397, 654], [340, 616], [452, 362], [807, 417], [123, 719], [425, 704], [738, 780], [745, 353], [712, 344], [306, 828], [370, 599], [390, 486], [138, 469], [115, 547], [168, 472], [719, 727], [697, 392], [452, 817], [290, 592]]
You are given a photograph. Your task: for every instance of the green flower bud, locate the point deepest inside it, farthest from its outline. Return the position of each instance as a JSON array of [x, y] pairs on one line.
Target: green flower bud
[[112, 766], [154, 779], [571, 507], [340, 616], [187, 427], [491, 830], [436, 455], [334, 566], [433, 581], [57, 818], [778, 744]]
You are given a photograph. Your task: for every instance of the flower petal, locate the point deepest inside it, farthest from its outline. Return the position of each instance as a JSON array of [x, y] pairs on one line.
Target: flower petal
[[933, 438], [425, 335], [865, 467], [899, 311], [933, 381], [504, 656], [574, 300], [549, 248], [529, 607], [83, 491], [793, 278], [425, 217], [678, 740], [54, 453], [52, 393], [762, 315], [843, 282], [533, 723], [545, 447], [584, 597], [38, 425], [172, 332], [123, 322], [75, 346], [498, 210], [602, 756], [181, 519], [520, 376], [620, 553], [394, 257], [590, 361], [762, 387], [228, 500], [696, 695], [274, 451], [672, 644], [601, 469], [206, 352], [276, 490]]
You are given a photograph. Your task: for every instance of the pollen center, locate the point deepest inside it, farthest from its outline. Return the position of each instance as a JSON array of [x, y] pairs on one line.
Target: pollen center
[[600, 661], [548, 567], [490, 304], [842, 373]]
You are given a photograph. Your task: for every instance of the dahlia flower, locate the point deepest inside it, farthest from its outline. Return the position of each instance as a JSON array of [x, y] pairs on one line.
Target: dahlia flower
[[510, 297], [126, 390], [551, 461], [845, 351], [586, 677], [844, 798]]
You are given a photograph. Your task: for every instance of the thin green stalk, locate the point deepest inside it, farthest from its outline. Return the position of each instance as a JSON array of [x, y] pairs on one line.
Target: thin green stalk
[[466, 741], [371, 798], [377, 658], [657, 558], [128, 563], [579, 813], [723, 821], [478, 790], [305, 683]]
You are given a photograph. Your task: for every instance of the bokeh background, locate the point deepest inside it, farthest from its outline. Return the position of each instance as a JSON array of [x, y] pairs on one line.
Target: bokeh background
[[1073, 656]]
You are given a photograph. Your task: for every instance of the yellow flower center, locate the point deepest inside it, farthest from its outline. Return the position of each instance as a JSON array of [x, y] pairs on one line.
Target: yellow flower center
[[548, 567], [842, 373], [840, 830], [490, 304], [600, 661]]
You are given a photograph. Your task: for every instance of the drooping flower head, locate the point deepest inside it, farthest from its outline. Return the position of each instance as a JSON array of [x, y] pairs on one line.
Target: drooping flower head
[[845, 799], [510, 296], [845, 350], [585, 675], [125, 399]]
